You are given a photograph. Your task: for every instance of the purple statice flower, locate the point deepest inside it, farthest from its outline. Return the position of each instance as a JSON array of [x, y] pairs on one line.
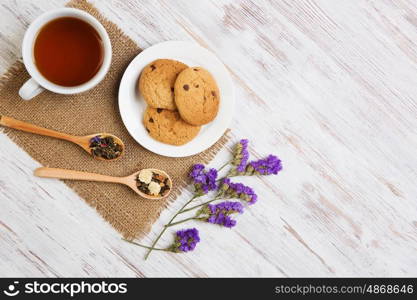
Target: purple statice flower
[[220, 213], [238, 190], [204, 181], [240, 157], [211, 179], [185, 240], [197, 174], [95, 139], [266, 166], [222, 220]]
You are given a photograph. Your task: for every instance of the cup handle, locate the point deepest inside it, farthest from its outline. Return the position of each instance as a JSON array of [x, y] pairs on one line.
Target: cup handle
[[30, 89]]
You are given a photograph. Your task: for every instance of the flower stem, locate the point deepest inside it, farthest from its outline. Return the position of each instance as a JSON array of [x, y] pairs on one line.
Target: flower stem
[[182, 221], [222, 167], [143, 246], [199, 205], [165, 227]]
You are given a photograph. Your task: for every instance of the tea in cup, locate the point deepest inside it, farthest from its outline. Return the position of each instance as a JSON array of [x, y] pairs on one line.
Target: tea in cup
[[66, 51]]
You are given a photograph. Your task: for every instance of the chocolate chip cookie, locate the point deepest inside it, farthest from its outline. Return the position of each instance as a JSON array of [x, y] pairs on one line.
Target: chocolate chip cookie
[[167, 126], [157, 80], [197, 96]]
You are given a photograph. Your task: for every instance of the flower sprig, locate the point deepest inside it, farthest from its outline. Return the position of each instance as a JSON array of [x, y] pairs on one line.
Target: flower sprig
[[204, 181], [222, 213]]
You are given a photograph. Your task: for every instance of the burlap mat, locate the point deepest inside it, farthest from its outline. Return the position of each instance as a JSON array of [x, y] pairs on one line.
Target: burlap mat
[[92, 112]]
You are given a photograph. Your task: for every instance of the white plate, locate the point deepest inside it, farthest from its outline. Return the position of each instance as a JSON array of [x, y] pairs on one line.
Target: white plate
[[132, 105]]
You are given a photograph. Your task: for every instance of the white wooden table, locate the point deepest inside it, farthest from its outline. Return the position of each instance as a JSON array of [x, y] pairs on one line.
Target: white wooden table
[[330, 86]]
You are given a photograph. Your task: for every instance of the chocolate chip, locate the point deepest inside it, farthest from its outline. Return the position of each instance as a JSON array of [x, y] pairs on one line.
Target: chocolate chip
[[172, 89], [186, 87], [196, 85], [151, 120], [153, 67], [195, 70], [148, 130], [159, 110], [213, 93]]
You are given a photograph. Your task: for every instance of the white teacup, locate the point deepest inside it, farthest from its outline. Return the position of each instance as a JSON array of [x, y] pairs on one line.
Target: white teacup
[[38, 82]]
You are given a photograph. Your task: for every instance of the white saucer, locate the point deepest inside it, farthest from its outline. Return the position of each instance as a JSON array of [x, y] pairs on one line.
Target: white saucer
[[132, 105]]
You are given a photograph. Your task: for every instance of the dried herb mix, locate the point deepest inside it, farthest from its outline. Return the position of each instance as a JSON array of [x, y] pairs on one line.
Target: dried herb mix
[[152, 184], [105, 147]]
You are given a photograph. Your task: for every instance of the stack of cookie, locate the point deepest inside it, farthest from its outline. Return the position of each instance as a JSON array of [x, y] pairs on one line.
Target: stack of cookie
[[180, 100]]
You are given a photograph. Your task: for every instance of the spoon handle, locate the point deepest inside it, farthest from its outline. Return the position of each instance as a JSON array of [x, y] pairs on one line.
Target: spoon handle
[[74, 175], [27, 127]]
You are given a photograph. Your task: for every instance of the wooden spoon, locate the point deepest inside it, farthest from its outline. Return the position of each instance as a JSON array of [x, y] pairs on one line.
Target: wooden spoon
[[82, 141], [130, 180]]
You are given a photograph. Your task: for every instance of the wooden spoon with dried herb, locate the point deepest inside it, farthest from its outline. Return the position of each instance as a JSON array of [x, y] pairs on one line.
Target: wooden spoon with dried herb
[[148, 183], [102, 146]]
